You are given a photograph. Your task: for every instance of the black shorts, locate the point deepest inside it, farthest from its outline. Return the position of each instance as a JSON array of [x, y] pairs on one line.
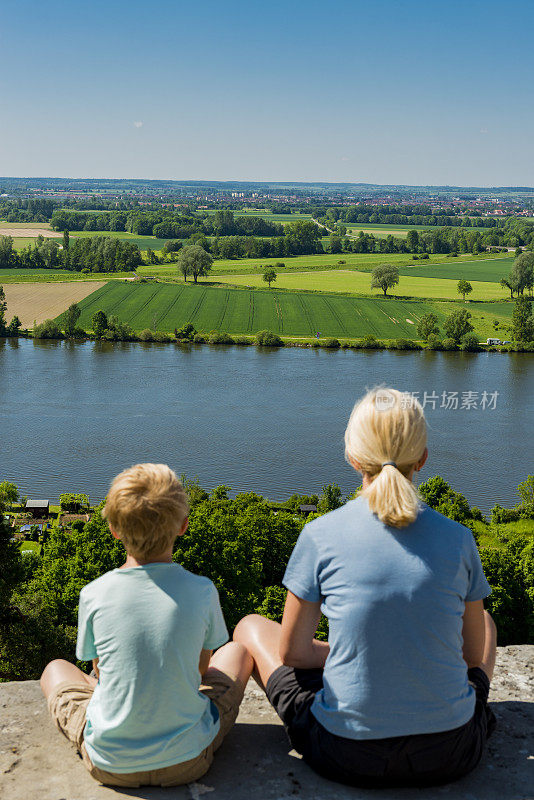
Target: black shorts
[[419, 760]]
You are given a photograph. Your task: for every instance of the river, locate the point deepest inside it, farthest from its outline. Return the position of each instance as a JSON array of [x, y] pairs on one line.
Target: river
[[270, 421]]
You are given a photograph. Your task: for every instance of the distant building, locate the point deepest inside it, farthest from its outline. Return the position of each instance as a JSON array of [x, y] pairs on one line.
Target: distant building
[[308, 509], [38, 508]]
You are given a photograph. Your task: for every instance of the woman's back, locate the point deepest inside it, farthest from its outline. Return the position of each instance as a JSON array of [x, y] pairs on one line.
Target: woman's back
[[394, 598]]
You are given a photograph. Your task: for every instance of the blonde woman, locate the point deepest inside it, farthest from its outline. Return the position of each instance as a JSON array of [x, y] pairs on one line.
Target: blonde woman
[[398, 694]]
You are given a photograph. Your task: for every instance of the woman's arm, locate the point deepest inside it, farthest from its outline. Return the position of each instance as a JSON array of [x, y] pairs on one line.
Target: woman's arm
[[473, 633], [95, 667], [298, 648]]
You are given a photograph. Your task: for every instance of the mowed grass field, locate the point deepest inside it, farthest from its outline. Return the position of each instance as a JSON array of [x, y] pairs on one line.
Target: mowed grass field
[[352, 281], [378, 229], [55, 275], [298, 314], [485, 267]]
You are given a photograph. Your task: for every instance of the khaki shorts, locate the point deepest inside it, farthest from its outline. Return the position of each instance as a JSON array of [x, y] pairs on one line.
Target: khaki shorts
[[68, 703]]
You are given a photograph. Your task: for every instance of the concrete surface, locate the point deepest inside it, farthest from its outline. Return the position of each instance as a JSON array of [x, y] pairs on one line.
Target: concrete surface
[[255, 761]]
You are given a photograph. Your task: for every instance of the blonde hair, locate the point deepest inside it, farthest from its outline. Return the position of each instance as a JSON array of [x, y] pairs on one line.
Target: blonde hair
[[146, 507], [388, 425]]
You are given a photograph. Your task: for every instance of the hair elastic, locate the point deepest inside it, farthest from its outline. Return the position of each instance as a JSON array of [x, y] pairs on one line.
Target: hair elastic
[[389, 463]]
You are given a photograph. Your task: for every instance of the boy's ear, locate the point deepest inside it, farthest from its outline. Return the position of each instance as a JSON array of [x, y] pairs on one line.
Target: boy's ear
[[185, 525]]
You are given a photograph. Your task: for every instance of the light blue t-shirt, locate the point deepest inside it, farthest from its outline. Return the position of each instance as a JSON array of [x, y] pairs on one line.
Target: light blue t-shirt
[[147, 625], [394, 599]]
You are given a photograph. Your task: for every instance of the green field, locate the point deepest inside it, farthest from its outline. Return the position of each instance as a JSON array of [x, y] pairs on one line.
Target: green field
[[355, 282], [353, 228], [54, 275], [142, 242], [489, 269], [298, 314], [258, 212]]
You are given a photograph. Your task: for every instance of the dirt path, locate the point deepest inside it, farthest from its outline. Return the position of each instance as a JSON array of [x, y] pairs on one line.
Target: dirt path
[[39, 301], [23, 233]]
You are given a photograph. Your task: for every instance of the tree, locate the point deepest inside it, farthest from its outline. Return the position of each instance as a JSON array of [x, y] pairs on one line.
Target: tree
[[71, 317], [14, 326], [384, 277], [193, 260], [3, 309], [507, 285], [9, 494], [428, 326], [330, 498], [66, 241], [412, 241], [522, 323], [99, 323], [457, 325], [464, 287], [269, 276], [522, 273]]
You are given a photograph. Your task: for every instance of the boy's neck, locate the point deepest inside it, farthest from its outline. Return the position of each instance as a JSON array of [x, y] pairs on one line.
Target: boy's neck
[[162, 558]]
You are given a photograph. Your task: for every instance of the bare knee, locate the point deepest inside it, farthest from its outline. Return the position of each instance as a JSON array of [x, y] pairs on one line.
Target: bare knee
[[247, 629]]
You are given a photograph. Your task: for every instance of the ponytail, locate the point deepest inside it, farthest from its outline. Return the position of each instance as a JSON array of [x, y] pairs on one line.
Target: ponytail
[[387, 424]]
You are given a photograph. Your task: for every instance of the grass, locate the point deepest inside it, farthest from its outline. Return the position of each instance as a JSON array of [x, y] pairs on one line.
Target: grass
[[353, 228], [361, 261], [297, 314], [55, 275], [142, 242], [263, 214], [360, 283]]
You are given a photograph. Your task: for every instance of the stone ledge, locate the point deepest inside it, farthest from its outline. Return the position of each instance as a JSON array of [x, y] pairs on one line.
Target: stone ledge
[[255, 760]]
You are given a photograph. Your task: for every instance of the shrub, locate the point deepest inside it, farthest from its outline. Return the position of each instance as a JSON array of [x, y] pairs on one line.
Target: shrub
[[470, 343], [406, 344], [49, 329], [424, 256], [314, 343], [242, 340], [434, 342], [331, 344], [268, 339], [85, 271], [187, 332], [199, 339], [220, 338], [449, 344], [370, 342]]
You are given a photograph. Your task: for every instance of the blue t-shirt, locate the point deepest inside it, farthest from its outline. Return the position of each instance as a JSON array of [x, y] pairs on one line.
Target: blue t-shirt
[[147, 625], [394, 599]]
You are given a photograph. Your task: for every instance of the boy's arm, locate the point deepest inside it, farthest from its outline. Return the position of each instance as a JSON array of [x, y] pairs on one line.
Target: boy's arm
[[204, 661]]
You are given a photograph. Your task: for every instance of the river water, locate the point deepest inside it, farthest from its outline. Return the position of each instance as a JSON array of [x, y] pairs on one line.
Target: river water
[[271, 421]]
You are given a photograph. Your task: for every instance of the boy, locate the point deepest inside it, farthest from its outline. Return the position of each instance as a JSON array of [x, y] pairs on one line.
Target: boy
[[150, 628]]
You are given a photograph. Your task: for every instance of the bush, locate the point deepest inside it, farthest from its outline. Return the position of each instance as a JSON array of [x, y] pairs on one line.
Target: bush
[[242, 340], [406, 344], [220, 338], [186, 332], [500, 514], [331, 344], [146, 335], [449, 344], [424, 256], [370, 342], [470, 343], [434, 342], [314, 343], [49, 329], [199, 339], [268, 339], [85, 271]]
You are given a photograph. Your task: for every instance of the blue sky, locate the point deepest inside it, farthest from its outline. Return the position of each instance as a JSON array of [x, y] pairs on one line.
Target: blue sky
[[378, 91]]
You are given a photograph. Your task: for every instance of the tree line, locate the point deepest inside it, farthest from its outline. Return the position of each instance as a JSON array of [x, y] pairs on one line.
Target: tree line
[[242, 544]]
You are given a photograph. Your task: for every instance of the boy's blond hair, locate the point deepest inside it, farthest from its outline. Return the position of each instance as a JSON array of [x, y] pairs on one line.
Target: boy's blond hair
[[146, 507]]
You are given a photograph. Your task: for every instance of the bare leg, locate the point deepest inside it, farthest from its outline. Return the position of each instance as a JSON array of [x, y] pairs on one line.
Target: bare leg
[[490, 646], [234, 660], [59, 671], [261, 637]]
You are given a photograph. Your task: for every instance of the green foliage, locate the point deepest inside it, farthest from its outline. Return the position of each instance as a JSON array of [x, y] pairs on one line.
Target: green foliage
[[186, 333], [268, 339], [457, 325], [384, 277], [49, 329], [73, 503], [330, 499], [9, 494], [510, 573], [269, 276], [330, 344], [70, 318], [194, 260], [219, 337], [437, 494], [99, 322], [470, 343], [522, 323], [428, 326], [464, 287]]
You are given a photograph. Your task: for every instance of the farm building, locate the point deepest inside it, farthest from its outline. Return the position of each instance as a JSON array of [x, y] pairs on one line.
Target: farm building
[[38, 508]]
